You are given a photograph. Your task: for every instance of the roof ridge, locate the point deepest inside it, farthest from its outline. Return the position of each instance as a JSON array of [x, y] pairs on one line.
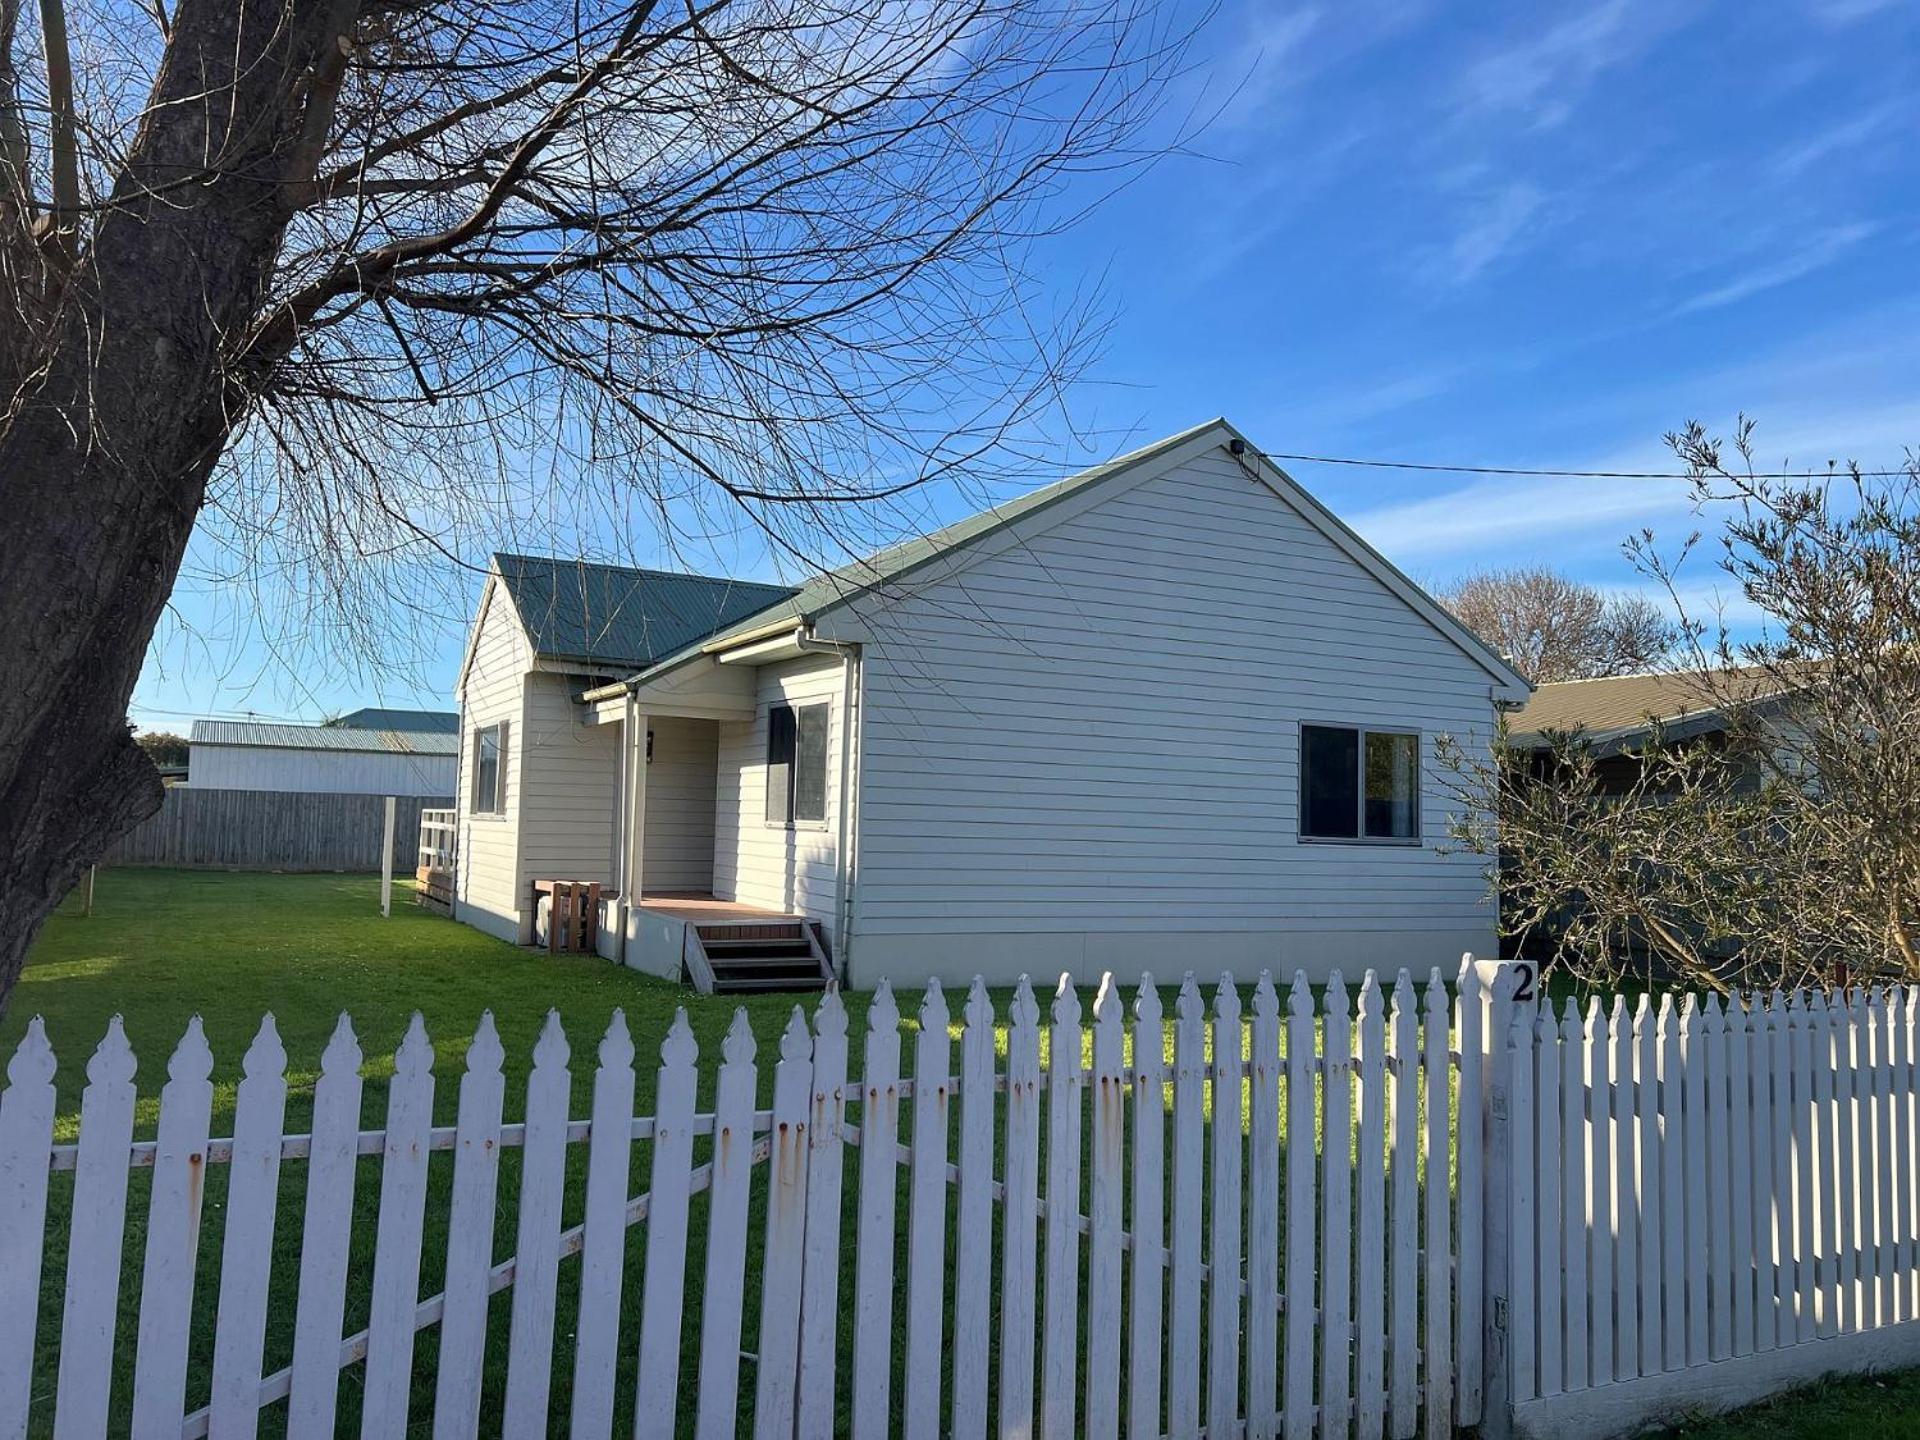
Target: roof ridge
[[561, 560]]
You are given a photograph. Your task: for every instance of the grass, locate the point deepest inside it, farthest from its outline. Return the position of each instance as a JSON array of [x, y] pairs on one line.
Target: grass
[[1865, 1407], [163, 945]]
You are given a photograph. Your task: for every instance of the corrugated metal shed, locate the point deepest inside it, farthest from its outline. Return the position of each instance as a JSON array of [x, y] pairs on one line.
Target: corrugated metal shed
[[439, 722], [322, 737], [618, 619]]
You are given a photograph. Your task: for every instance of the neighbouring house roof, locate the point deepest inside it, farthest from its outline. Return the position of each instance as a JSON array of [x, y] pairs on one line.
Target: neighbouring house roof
[[323, 737], [440, 722], [807, 602], [1620, 709], [614, 619]]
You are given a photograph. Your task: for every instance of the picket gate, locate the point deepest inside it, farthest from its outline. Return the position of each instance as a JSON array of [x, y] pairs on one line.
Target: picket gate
[[1148, 1227]]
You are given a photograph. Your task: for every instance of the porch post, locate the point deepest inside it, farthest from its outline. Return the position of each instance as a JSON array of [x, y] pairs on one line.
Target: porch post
[[634, 737]]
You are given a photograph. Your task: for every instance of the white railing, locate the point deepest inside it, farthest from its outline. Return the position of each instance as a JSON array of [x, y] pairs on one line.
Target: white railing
[[437, 836], [1322, 1286]]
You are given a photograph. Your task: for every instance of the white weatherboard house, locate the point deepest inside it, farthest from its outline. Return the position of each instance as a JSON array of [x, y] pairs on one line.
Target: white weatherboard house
[[1168, 714]]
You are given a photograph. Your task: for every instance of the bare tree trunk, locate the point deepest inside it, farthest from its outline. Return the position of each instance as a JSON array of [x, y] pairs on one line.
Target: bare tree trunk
[[106, 450]]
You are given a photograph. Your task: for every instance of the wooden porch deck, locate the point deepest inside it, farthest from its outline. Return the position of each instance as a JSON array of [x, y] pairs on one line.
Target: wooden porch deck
[[700, 908]]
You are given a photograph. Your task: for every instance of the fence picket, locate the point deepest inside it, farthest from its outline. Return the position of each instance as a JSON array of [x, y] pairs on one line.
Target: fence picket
[[1825, 1145], [1106, 1186], [1573, 1191], [1523, 1351], [874, 1237], [1223, 1236], [1470, 1168], [1544, 1147], [1886, 1163], [1625, 1204], [927, 1219], [1761, 1181], [1370, 1279], [1336, 1223], [1262, 1239], [537, 1249], [1901, 1180], [396, 1266], [1060, 1329], [1739, 1167], [1600, 1193], [663, 1286], [476, 1178], [1147, 1280], [99, 1223], [1675, 1159], [1646, 1196], [246, 1252], [26, 1141], [604, 1239], [173, 1239], [1183, 1309], [1693, 1054], [723, 1299], [1719, 1185], [820, 1268], [1851, 1042], [1438, 1395], [1907, 1140], [1300, 1235], [326, 1233], [786, 1234], [1020, 1224], [1403, 1273], [1806, 1274], [973, 1227]]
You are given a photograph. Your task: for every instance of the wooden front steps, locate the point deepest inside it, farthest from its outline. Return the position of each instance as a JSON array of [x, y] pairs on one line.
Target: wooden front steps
[[740, 957]]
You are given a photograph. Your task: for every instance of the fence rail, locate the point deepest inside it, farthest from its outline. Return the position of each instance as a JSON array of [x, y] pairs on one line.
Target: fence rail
[[272, 830]]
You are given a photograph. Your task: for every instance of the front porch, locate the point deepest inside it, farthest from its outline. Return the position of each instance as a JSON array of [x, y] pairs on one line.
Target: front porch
[[717, 946]]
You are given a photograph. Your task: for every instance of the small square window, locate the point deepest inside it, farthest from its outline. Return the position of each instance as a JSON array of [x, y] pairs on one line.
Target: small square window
[[1359, 784], [797, 765]]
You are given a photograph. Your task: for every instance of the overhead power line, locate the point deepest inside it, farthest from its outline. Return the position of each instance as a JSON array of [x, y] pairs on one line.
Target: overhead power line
[[1834, 472]]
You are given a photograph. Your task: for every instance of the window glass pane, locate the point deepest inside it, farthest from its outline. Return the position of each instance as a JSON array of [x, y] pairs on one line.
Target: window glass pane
[[1393, 786], [1329, 782], [779, 764], [486, 770], [810, 764]]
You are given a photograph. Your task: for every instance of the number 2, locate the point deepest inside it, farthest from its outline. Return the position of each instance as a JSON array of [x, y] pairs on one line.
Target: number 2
[[1523, 988]]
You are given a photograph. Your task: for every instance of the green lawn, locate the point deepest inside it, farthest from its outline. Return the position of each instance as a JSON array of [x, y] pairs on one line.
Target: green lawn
[[163, 945], [1867, 1407]]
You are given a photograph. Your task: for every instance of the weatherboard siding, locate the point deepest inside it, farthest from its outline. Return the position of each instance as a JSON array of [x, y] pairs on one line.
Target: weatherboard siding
[[488, 889], [570, 805], [755, 863], [333, 772], [1082, 753]]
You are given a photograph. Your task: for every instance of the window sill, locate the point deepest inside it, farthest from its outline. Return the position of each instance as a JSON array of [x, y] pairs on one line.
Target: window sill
[[1411, 843], [817, 827]]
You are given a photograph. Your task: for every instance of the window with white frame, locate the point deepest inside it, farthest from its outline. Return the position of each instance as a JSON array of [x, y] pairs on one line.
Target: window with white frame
[[1358, 783], [489, 769]]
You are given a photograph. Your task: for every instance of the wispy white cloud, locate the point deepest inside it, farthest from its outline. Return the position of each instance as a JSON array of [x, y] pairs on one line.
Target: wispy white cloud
[[1546, 74], [1821, 251], [1488, 518], [1497, 224], [1849, 134]]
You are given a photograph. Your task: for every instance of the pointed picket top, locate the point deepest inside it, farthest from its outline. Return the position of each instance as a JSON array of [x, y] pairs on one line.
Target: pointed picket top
[[1715, 1019], [796, 1042], [1335, 1000], [1300, 997], [1266, 1000], [415, 1055], [1794, 1011], [1663, 1018], [192, 1058], [1024, 1012], [1469, 982], [1403, 997], [1107, 1005], [266, 1057], [883, 1015], [552, 1049], [678, 1048], [933, 1008], [342, 1055], [1595, 1018], [830, 1015], [1619, 1013], [979, 1006], [1369, 1006], [1545, 1029], [738, 1047], [1436, 998], [1186, 1005], [1816, 1007], [1643, 1013], [33, 1062], [1226, 999], [1146, 1001], [1066, 1001], [485, 1053], [1570, 1030]]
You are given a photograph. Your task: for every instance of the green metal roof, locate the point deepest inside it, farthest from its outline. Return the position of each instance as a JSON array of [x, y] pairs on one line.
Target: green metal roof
[[372, 717], [612, 618]]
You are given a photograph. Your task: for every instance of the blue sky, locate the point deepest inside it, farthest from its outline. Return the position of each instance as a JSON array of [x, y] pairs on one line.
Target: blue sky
[[1510, 234]]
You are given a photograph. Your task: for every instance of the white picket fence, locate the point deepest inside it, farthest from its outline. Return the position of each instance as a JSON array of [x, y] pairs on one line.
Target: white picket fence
[[1148, 1234], [1710, 1200], [1370, 1214]]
